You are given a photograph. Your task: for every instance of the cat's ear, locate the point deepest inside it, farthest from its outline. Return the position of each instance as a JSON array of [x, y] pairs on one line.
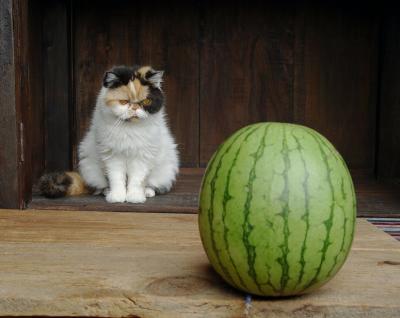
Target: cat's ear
[[111, 80], [155, 77]]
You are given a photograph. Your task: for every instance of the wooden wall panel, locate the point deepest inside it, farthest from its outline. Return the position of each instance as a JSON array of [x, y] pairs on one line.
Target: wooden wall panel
[[23, 102], [227, 65], [336, 79], [164, 36], [56, 85], [389, 141], [246, 69], [33, 111], [231, 64], [9, 146]]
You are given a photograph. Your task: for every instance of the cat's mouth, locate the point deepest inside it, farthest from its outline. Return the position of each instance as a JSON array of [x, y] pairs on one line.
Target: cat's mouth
[[132, 118], [134, 115], [130, 115]]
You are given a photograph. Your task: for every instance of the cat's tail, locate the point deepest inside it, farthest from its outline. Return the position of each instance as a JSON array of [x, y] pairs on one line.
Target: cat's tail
[[60, 184]]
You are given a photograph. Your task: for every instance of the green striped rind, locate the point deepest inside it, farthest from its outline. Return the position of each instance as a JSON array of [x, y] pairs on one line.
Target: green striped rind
[[210, 210], [277, 210]]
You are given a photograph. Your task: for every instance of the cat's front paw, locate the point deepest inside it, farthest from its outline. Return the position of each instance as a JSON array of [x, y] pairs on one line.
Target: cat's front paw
[[116, 196], [149, 192], [136, 196]]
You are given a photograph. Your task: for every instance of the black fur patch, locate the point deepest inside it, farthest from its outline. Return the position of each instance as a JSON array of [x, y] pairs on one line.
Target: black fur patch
[[118, 76], [149, 74], [160, 191], [157, 98], [54, 185]]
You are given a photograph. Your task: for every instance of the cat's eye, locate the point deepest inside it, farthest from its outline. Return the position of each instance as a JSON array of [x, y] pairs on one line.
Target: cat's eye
[[146, 102], [123, 101]]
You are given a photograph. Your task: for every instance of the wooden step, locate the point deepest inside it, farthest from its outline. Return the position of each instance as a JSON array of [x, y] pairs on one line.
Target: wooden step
[[374, 198]]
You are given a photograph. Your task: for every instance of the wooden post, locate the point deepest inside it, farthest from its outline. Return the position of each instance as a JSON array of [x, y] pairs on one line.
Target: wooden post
[[21, 127], [10, 126]]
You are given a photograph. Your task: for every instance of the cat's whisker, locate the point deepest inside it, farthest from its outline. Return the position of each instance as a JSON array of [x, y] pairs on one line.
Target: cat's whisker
[[120, 121], [116, 124]]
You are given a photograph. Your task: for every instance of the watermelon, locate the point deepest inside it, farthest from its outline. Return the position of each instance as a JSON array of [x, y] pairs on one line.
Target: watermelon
[[277, 210]]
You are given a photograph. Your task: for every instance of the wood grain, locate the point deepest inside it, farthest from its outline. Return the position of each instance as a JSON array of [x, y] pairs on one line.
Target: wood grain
[[28, 94], [56, 85], [374, 198], [27, 34], [164, 36], [182, 199], [32, 114], [22, 131], [10, 184], [140, 265], [336, 78], [246, 69], [389, 137], [231, 65], [377, 198]]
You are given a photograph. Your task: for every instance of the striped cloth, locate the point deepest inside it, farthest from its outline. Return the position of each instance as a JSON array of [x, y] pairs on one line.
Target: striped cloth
[[389, 225]]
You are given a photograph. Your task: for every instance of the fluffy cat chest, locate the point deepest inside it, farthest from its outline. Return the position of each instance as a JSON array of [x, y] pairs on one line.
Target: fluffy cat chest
[[129, 143]]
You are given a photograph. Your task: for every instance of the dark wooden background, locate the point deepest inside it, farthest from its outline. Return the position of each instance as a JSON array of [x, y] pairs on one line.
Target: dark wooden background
[[226, 66], [333, 67]]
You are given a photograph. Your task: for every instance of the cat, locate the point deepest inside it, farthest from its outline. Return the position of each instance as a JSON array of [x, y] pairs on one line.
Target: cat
[[128, 152]]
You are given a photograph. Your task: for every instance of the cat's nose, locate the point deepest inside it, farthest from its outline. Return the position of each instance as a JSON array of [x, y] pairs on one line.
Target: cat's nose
[[134, 106]]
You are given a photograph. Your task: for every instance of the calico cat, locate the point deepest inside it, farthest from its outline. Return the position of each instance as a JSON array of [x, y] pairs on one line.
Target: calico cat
[[128, 153]]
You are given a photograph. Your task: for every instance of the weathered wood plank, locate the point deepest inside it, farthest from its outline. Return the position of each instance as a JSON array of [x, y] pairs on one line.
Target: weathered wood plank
[[56, 85], [374, 198], [377, 198], [389, 137], [336, 72], [182, 199], [32, 109], [21, 129], [167, 203], [246, 69], [103, 264], [10, 196], [370, 237]]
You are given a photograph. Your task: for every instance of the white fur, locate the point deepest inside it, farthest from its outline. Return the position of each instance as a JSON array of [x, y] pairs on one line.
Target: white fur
[[130, 158], [157, 78]]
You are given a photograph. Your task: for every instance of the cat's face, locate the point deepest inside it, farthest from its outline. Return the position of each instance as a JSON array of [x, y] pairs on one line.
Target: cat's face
[[133, 93]]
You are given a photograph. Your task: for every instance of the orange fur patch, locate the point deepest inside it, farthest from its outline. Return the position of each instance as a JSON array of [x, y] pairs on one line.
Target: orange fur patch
[[134, 92], [143, 70], [77, 186]]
